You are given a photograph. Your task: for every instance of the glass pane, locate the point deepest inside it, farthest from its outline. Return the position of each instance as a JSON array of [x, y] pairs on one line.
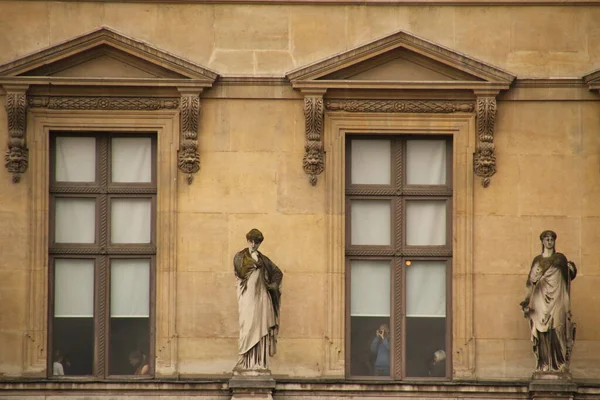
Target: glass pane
[[130, 312], [426, 289], [425, 319], [426, 162], [75, 159], [73, 325], [130, 288], [131, 159], [371, 161], [370, 288], [75, 220], [370, 318], [73, 288], [371, 222], [426, 222], [130, 220]]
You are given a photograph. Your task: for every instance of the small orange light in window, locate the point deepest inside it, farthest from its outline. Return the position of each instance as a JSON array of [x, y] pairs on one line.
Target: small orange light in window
[[407, 262]]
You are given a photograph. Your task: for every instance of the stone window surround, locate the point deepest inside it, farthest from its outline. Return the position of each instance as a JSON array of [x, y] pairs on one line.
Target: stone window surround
[[398, 250], [462, 127], [166, 125], [102, 250]]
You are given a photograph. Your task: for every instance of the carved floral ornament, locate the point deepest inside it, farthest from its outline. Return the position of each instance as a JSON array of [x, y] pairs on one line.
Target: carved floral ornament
[[17, 153], [16, 157], [484, 159], [167, 70]]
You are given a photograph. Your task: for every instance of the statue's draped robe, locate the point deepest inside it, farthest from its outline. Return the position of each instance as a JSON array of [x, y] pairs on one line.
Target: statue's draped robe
[[550, 319], [258, 292]]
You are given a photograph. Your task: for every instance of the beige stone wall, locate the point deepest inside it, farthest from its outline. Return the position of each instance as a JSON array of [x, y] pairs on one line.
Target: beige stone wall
[[259, 39], [548, 178], [548, 155], [251, 177], [14, 219]]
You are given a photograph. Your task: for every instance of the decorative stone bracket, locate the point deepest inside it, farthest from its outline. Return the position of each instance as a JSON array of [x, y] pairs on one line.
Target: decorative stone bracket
[[16, 158], [313, 161], [188, 158], [484, 159]]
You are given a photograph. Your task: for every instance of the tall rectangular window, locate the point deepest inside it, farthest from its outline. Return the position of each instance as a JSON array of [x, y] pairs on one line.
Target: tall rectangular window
[[102, 253], [398, 256]]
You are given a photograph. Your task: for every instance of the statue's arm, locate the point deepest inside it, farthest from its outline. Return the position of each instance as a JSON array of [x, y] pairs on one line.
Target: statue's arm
[[237, 264], [276, 276], [532, 278], [572, 270]]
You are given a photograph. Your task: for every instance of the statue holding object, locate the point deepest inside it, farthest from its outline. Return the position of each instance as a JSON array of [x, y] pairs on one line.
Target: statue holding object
[[547, 305], [259, 298]]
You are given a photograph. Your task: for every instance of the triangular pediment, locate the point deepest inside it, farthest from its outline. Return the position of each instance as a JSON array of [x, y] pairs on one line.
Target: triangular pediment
[[592, 80], [108, 56], [400, 61]]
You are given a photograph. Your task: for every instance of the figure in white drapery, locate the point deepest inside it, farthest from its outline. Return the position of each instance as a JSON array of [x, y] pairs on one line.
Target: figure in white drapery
[[259, 294], [548, 306]]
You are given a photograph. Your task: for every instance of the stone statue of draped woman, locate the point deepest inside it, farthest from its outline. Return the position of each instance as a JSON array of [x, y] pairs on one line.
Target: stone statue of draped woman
[[259, 297], [548, 307]]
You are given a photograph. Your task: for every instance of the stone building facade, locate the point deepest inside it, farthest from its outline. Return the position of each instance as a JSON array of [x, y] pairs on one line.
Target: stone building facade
[[253, 114]]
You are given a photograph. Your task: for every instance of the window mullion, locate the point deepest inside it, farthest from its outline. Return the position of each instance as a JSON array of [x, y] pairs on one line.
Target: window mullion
[[398, 171], [103, 261], [397, 320], [100, 319]]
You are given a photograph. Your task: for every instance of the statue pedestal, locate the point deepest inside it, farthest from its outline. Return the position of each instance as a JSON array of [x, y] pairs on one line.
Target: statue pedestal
[[249, 384], [552, 386]]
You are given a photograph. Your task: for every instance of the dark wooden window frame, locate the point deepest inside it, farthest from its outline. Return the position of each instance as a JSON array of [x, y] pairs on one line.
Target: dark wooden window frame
[[398, 252], [102, 251]]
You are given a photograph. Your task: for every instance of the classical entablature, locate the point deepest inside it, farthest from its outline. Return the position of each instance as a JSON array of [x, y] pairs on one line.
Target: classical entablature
[[103, 70], [400, 73]]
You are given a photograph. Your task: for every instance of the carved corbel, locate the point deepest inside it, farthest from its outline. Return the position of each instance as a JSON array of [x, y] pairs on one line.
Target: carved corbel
[[16, 157], [188, 158], [484, 159], [313, 161]]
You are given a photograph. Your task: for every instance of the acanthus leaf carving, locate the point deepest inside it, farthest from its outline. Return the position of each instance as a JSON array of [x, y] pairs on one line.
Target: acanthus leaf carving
[[400, 106], [103, 103], [484, 159], [17, 154], [188, 157], [313, 161]]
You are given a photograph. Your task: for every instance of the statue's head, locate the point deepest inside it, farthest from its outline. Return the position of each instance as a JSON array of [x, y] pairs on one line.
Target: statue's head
[[254, 238], [548, 239]]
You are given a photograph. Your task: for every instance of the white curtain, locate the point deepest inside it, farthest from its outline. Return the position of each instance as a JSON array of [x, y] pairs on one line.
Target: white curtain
[[371, 162], [426, 162], [75, 220], [129, 288], [425, 222], [75, 159], [370, 288], [370, 222], [130, 220], [73, 288], [131, 160], [426, 289]]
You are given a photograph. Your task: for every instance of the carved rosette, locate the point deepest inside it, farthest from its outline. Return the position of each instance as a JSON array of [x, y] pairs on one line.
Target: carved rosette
[[484, 160], [400, 106], [188, 158], [17, 154], [313, 161]]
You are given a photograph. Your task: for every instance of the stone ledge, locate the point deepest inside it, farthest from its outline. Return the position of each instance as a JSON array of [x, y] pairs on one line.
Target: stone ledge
[[552, 385]]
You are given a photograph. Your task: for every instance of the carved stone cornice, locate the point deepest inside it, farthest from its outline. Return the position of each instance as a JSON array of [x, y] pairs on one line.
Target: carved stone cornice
[[102, 103], [313, 161], [188, 158], [16, 157], [484, 159], [400, 106]]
